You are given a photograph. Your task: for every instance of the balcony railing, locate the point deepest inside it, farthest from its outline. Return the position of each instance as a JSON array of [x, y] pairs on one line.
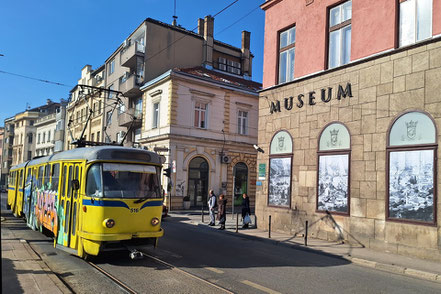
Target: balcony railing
[[128, 55], [126, 118], [129, 85]]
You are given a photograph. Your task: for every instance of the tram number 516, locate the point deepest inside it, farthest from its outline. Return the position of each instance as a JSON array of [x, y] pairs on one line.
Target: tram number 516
[[134, 210]]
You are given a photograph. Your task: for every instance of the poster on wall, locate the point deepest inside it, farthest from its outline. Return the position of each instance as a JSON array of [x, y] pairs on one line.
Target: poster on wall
[[411, 185], [333, 183], [279, 182]]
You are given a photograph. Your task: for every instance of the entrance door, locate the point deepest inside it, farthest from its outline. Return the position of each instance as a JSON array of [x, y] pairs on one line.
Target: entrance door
[[75, 205], [198, 181], [240, 182]]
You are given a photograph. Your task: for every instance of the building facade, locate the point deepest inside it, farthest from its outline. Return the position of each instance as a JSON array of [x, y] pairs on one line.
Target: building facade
[[2, 137], [8, 141], [152, 49], [23, 147], [84, 102], [349, 119], [205, 123], [45, 135]]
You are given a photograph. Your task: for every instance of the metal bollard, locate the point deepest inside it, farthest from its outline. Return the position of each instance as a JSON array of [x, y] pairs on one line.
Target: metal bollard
[[202, 213], [306, 233], [237, 223], [269, 227]]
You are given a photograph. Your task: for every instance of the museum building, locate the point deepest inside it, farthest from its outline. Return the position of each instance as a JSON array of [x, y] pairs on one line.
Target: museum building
[[350, 120]]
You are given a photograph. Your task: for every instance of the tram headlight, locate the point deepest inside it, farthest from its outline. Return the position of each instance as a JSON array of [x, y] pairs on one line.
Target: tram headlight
[[155, 221], [109, 223]]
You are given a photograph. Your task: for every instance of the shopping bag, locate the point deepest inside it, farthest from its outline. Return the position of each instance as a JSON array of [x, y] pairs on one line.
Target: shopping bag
[[247, 219]]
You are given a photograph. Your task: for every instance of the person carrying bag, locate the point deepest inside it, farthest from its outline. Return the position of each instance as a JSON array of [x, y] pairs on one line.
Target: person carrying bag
[[246, 211]]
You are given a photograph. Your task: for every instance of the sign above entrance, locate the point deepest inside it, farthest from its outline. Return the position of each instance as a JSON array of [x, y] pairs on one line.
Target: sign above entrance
[[310, 98]]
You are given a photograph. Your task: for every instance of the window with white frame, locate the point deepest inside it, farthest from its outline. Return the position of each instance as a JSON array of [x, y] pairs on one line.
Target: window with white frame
[[109, 117], [242, 122], [155, 122], [111, 94], [415, 21], [200, 115], [340, 18], [121, 108], [111, 66], [287, 42]]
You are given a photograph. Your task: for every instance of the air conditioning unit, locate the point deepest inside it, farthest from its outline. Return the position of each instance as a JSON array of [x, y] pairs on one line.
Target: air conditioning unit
[[225, 159]]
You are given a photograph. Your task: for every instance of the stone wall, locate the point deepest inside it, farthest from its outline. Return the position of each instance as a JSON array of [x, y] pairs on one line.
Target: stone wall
[[382, 89]]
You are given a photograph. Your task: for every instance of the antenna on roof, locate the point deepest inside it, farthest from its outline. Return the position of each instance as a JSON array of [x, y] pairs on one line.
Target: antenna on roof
[[175, 18]]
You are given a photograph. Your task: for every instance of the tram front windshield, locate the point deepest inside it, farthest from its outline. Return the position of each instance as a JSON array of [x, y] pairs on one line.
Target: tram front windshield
[[115, 180]]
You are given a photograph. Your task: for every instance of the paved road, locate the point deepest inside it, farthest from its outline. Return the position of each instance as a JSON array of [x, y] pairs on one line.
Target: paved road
[[238, 264]]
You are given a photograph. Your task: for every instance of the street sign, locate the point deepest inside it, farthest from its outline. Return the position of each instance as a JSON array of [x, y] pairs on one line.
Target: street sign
[[262, 171]]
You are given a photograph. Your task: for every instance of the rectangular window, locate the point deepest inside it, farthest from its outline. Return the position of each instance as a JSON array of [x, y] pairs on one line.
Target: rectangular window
[[242, 122], [30, 138], [39, 137], [109, 117], [98, 134], [415, 21], [49, 136], [92, 137], [111, 67], [287, 41], [111, 94], [44, 137], [340, 34], [155, 115], [121, 107], [200, 115]]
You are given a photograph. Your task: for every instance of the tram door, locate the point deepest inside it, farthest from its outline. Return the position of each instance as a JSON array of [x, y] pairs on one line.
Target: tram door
[[69, 205], [75, 206]]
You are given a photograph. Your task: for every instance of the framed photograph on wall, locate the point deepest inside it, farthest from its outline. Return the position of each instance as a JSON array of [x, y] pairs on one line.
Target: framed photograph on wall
[[279, 193]]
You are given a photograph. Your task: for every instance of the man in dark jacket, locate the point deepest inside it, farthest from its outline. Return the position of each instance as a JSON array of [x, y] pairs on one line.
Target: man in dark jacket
[[222, 211]]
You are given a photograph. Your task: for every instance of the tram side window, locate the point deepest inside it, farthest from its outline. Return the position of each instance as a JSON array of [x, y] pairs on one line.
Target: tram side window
[[63, 184], [20, 179], [40, 177], [55, 176], [94, 186], [47, 176]]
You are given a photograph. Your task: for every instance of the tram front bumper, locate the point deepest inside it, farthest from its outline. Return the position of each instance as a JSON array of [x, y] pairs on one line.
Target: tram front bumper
[[120, 236]]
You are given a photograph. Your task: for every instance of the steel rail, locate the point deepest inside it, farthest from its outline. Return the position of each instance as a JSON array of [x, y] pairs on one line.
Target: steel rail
[[115, 280], [185, 272]]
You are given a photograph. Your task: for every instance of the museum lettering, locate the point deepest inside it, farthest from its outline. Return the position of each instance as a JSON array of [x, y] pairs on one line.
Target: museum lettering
[[310, 98]]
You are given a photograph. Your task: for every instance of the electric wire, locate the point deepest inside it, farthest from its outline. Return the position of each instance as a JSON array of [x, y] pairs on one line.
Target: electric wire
[[35, 79]]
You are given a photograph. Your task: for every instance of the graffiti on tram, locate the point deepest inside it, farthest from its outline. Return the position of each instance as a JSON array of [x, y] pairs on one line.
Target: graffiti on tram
[[46, 209]]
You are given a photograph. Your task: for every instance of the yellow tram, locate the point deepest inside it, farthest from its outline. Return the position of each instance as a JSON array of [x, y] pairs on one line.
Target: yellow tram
[[91, 199]]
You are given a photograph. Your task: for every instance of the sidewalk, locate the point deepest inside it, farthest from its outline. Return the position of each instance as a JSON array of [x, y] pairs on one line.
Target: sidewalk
[[389, 262], [23, 271]]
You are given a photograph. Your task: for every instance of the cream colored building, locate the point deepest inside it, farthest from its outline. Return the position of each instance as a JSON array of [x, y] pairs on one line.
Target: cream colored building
[[205, 123], [152, 49], [45, 135], [84, 100], [23, 148]]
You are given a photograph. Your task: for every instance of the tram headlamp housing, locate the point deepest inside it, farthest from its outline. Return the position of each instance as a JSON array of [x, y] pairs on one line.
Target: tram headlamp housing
[[155, 221], [109, 223]]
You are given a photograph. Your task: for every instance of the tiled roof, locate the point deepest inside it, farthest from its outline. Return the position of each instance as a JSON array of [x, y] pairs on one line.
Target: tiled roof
[[219, 77]]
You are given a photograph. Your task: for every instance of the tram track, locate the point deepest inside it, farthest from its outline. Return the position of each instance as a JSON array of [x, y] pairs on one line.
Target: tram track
[[120, 284], [175, 268], [130, 290]]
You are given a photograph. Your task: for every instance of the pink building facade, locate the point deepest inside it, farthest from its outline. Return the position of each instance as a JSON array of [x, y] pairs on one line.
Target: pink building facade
[[350, 123]]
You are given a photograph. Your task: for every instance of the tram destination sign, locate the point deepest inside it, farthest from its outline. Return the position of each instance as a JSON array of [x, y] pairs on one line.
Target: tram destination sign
[[311, 98]]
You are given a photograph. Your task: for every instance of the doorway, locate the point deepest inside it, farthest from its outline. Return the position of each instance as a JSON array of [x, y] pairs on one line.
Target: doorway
[[240, 182], [198, 181]]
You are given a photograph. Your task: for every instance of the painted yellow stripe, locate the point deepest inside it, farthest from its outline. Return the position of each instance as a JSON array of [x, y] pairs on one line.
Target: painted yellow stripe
[[217, 271], [259, 287]]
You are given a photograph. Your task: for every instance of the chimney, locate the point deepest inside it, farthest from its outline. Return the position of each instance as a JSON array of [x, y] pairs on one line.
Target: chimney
[[246, 55], [208, 42], [200, 26]]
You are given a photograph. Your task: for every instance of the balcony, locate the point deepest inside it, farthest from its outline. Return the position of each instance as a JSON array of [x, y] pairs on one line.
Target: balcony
[[130, 85], [129, 54], [125, 119]]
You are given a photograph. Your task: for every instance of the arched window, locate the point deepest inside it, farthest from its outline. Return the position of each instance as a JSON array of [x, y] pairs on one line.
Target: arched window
[[279, 188], [333, 169], [411, 181], [198, 181]]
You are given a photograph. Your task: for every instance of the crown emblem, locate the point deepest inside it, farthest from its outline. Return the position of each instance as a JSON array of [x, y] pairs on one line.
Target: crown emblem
[[411, 124], [334, 132]]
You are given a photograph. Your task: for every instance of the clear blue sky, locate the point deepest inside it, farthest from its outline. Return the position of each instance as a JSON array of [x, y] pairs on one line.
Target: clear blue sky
[[52, 39]]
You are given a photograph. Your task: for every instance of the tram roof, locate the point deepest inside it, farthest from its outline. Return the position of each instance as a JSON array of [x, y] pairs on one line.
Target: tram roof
[[99, 153]]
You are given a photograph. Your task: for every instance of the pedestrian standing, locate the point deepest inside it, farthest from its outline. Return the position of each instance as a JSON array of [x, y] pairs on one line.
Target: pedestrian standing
[[246, 211], [212, 203], [222, 211]]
